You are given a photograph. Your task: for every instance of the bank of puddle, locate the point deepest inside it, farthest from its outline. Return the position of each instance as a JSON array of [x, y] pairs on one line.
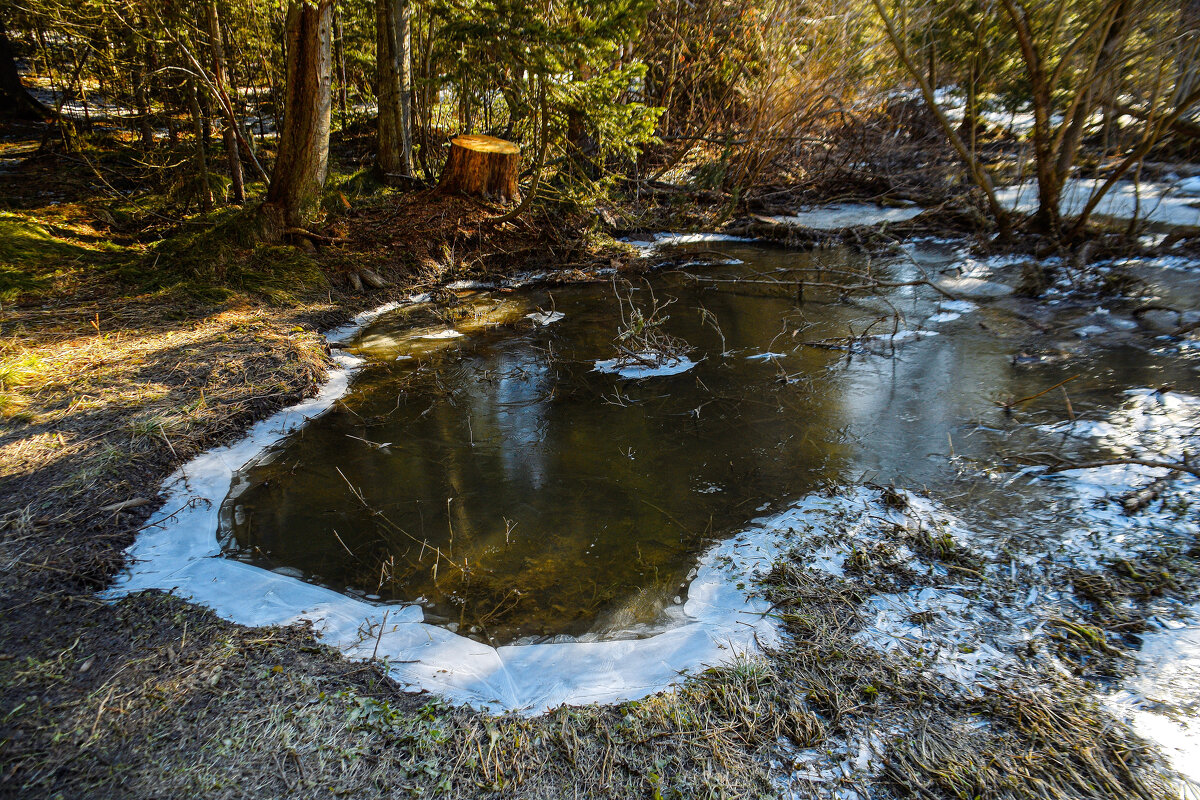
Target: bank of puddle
[[516, 507]]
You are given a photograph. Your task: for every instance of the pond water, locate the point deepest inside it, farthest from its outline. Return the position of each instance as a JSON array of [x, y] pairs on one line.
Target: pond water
[[516, 477]]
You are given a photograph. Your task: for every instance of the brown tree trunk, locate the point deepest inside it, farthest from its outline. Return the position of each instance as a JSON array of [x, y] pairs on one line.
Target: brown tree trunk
[[388, 89], [201, 156], [339, 50], [219, 78], [404, 51], [294, 196], [482, 165], [393, 61], [1101, 84], [141, 94]]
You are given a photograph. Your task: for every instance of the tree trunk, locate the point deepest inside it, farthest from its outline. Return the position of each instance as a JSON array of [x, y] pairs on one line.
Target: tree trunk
[[1048, 217], [294, 196], [229, 133], [393, 61], [141, 93], [201, 156], [340, 54], [404, 42], [15, 100], [388, 89], [1100, 84], [482, 165]]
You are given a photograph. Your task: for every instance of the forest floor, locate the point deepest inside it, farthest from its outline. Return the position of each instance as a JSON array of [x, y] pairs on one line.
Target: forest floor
[[128, 347]]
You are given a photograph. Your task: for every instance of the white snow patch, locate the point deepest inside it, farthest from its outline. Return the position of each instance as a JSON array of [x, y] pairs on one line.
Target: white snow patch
[[544, 318], [846, 215], [975, 288], [904, 336], [648, 246], [448, 333], [1189, 186], [1162, 702], [650, 365], [944, 316], [1150, 202]]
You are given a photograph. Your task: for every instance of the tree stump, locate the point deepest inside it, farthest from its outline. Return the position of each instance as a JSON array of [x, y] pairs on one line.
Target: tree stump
[[482, 165]]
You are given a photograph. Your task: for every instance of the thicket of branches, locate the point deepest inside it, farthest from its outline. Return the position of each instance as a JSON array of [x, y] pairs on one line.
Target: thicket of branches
[[737, 100]]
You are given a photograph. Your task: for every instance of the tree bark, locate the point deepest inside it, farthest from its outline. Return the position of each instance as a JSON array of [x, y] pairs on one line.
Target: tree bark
[[294, 196], [15, 99], [201, 156], [404, 40], [219, 78], [388, 89], [394, 64], [482, 165], [1047, 218], [1100, 82], [141, 94], [979, 173]]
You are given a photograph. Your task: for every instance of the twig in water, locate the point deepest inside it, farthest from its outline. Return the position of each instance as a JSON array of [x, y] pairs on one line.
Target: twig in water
[[1008, 406], [343, 544]]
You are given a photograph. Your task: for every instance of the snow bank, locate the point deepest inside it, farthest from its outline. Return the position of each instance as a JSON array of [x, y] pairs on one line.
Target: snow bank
[[846, 215], [1150, 202]]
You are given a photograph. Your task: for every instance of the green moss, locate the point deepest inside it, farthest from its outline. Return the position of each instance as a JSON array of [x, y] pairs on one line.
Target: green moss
[[217, 256], [363, 183], [34, 258]]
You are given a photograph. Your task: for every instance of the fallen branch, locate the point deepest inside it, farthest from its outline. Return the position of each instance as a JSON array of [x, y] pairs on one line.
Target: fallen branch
[[1182, 126], [858, 287], [1011, 404], [1138, 499], [316, 237]]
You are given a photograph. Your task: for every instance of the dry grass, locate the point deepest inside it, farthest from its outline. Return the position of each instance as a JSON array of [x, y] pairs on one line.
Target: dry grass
[[1052, 741], [95, 417], [185, 705]]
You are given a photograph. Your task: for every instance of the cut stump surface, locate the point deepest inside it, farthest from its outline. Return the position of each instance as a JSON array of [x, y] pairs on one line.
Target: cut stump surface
[[484, 166]]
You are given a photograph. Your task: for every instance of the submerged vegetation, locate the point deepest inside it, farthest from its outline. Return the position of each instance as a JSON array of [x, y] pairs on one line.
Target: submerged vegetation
[[190, 193]]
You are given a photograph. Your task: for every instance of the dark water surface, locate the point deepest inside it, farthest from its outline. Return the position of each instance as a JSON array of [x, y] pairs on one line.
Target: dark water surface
[[515, 491]]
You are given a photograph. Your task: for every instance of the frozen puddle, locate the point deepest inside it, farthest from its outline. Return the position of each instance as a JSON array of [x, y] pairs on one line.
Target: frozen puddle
[[180, 553], [646, 247], [449, 333], [544, 318], [603, 526]]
